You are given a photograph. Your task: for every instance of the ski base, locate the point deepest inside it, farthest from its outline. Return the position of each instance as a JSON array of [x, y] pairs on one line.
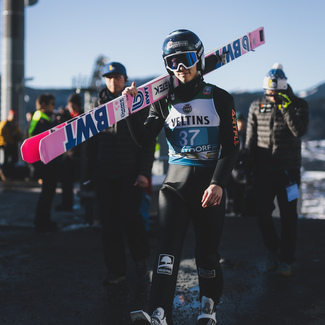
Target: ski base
[[140, 317]]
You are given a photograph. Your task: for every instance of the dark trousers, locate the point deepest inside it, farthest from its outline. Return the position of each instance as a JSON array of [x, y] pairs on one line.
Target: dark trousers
[[236, 195], [269, 184], [176, 211], [69, 168], [48, 174], [118, 207], [10, 159]]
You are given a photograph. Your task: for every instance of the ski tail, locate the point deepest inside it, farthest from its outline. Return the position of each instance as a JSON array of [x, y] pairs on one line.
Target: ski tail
[[233, 50], [256, 38]]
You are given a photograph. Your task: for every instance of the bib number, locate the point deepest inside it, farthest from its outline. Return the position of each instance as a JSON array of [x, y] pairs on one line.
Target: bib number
[[187, 137]]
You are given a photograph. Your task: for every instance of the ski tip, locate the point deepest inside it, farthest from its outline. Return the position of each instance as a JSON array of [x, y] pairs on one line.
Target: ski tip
[[52, 146], [45, 158], [28, 155], [30, 147]]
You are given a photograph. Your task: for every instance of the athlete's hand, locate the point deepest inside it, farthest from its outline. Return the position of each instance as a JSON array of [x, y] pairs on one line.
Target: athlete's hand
[[141, 181], [212, 196], [132, 90]]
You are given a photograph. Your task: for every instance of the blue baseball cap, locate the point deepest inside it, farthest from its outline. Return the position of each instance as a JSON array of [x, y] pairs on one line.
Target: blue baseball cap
[[113, 67]]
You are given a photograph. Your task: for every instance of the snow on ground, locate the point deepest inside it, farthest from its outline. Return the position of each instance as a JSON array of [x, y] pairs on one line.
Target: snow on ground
[[313, 180], [186, 301], [313, 195], [313, 150]]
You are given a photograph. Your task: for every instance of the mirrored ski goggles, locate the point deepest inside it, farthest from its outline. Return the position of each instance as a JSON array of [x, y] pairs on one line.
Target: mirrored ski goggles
[[187, 59]]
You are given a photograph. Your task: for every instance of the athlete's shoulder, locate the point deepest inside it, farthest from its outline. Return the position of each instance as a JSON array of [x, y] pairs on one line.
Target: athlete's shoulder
[[221, 92], [221, 95]]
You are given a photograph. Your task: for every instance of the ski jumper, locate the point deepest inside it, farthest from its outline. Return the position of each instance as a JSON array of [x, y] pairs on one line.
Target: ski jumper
[[201, 132]]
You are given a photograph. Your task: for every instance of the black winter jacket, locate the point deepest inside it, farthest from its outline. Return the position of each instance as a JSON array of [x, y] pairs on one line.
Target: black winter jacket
[[273, 134], [112, 153]]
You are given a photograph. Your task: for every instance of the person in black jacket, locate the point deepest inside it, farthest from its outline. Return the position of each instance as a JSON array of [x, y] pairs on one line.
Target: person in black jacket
[[199, 120], [236, 188], [42, 120], [121, 171], [10, 135], [70, 160], [275, 125]]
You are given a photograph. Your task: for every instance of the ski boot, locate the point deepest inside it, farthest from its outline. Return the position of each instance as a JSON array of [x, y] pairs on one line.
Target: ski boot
[[140, 317], [208, 312], [158, 317]]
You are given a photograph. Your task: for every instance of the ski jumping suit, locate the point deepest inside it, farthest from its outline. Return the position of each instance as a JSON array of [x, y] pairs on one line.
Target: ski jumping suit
[[201, 131]]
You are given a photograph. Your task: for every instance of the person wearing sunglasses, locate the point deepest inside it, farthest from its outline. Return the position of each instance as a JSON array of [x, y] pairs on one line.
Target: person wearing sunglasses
[[199, 120], [276, 123]]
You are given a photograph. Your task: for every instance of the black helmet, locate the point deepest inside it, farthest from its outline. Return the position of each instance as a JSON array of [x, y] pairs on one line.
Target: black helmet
[[183, 47]]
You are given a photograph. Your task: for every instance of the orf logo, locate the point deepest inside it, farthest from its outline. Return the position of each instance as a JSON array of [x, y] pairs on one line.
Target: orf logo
[[187, 108]]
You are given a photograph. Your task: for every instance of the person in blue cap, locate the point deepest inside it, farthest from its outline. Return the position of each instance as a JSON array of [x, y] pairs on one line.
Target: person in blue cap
[[120, 171], [115, 80], [276, 123]]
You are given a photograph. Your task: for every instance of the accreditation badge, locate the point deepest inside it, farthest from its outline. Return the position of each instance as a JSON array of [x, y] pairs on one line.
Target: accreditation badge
[[292, 192]]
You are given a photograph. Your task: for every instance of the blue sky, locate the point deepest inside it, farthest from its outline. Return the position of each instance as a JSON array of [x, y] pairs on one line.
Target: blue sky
[[63, 38]]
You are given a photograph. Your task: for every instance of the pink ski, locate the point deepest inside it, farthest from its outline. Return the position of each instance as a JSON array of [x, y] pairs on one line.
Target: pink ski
[[54, 142]]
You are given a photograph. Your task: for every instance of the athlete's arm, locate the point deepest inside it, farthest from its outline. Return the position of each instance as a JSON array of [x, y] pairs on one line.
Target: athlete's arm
[[229, 141], [141, 132]]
